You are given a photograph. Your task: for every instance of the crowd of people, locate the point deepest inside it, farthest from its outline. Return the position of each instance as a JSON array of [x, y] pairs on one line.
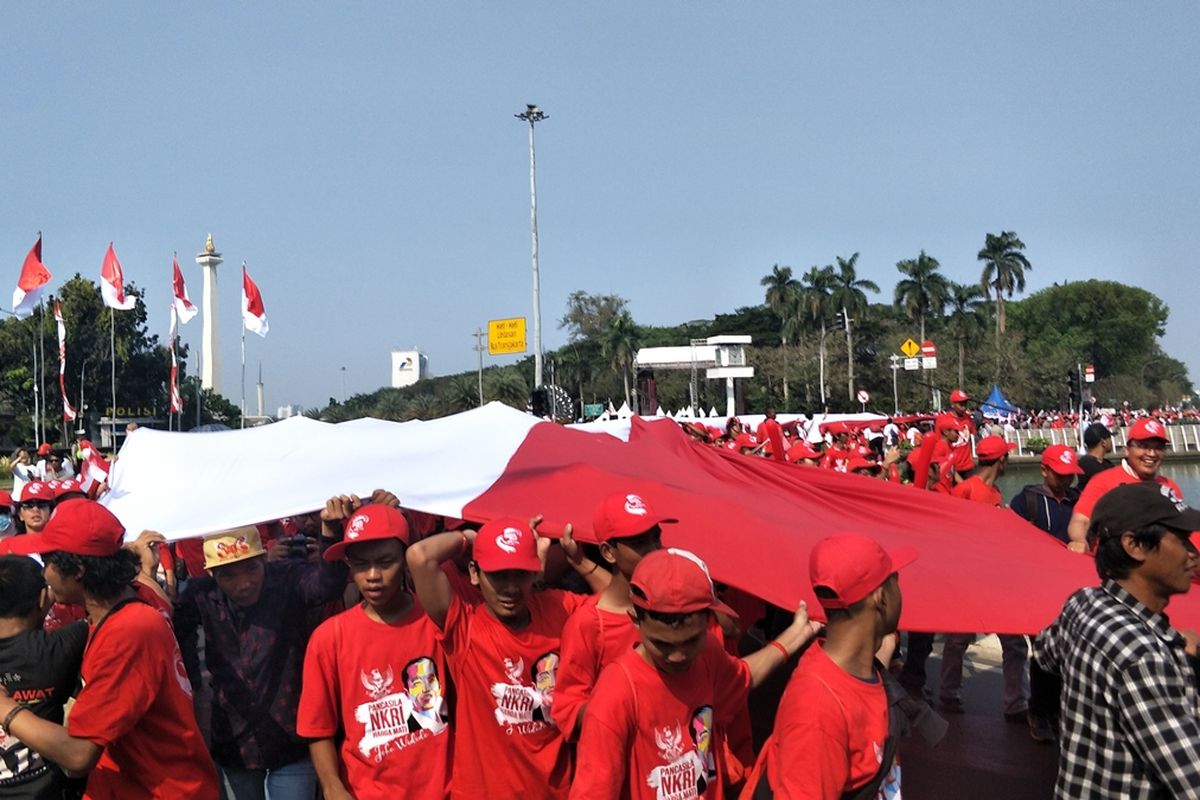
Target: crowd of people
[[365, 650]]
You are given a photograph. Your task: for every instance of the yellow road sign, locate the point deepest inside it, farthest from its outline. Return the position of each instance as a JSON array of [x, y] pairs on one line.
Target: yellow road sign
[[910, 348], [506, 336]]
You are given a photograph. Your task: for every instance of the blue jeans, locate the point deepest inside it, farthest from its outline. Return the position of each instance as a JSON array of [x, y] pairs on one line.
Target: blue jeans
[[295, 781]]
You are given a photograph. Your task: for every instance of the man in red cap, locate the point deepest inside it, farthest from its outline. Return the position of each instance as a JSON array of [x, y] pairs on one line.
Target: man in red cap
[[654, 724], [834, 732], [132, 728], [837, 456], [1145, 444], [981, 488], [1049, 504], [504, 655], [34, 506], [373, 701]]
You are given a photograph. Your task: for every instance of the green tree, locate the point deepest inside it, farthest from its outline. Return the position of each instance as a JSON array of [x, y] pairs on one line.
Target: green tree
[[849, 297], [589, 315], [783, 296], [620, 344], [815, 304], [965, 319], [1004, 266], [922, 292]]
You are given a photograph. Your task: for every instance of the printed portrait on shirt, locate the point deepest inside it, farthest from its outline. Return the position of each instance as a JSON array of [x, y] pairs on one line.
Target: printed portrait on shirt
[[702, 738], [527, 696], [425, 695], [400, 713], [689, 765]]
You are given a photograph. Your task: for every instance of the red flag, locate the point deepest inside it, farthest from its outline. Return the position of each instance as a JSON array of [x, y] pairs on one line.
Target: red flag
[[175, 401], [182, 305], [112, 283], [34, 276], [254, 314], [68, 410], [93, 469]]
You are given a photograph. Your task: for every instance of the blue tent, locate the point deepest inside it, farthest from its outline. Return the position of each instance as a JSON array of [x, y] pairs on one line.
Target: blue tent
[[996, 405]]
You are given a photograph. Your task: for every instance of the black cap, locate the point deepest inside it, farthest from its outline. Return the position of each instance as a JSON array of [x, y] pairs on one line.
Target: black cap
[[1094, 434], [1134, 506]]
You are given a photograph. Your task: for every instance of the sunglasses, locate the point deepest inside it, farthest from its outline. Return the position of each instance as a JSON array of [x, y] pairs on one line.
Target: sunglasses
[[42, 504]]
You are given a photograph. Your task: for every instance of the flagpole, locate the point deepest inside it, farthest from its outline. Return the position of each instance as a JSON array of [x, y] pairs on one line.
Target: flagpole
[[42, 372], [112, 351], [35, 390], [243, 373]]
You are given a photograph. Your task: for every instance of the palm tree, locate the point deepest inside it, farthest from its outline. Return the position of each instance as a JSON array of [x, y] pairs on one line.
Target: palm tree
[[966, 318], [814, 308], [849, 296], [783, 293], [922, 293], [1004, 268], [508, 386], [620, 343]]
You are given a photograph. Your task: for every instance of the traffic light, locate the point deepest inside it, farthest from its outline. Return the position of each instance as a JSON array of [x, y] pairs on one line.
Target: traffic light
[[1074, 388]]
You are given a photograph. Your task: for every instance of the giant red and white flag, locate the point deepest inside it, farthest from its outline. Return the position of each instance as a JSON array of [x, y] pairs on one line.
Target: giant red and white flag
[[174, 399], [254, 314], [112, 283], [182, 305], [68, 409], [34, 276], [753, 520]]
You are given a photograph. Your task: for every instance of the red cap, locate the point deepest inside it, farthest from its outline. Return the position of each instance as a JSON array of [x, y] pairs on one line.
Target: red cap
[[801, 450], [44, 449], [674, 581], [69, 486], [959, 396], [1061, 459], [745, 440], [1147, 428], [370, 523], [948, 422], [623, 515], [5, 499], [852, 566], [993, 448], [36, 490], [858, 462], [84, 528], [506, 543]]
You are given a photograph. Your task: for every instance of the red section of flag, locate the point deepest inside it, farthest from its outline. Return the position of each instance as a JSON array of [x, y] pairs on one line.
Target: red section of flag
[[34, 274], [112, 283], [254, 313], [182, 304]]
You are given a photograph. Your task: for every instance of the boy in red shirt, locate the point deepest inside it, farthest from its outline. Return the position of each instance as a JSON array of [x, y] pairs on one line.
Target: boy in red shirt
[[374, 676], [832, 732], [132, 728], [653, 724], [504, 654], [980, 486]]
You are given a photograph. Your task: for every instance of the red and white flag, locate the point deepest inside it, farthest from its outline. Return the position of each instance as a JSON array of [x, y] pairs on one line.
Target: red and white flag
[[182, 305], [254, 314], [112, 283], [93, 469], [34, 276], [68, 409], [175, 401]]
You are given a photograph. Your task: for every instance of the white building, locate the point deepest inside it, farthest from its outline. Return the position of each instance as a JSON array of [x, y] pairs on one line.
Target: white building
[[408, 367], [283, 412]]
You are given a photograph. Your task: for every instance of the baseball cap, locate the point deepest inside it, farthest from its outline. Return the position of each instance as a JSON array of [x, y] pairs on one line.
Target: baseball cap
[[1147, 428], [948, 422], [959, 396], [506, 543], [370, 523], [1095, 433], [1133, 506], [229, 547], [44, 449], [36, 490], [800, 450], [859, 462], [5, 500], [1061, 459], [84, 528], [674, 581], [851, 566], [993, 448], [622, 515], [66, 487]]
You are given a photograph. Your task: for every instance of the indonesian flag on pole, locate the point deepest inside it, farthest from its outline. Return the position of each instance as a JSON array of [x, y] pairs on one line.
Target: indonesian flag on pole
[[753, 520], [93, 469], [112, 283], [68, 410], [254, 314], [34, 276], [176, 402], [182, 305]]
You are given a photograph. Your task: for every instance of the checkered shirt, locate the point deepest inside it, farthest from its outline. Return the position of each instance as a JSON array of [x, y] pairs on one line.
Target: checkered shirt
[[1130, 714]]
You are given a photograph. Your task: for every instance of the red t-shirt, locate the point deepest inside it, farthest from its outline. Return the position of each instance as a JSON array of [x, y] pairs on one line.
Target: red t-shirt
[[507, 744], [771, 431], [836, 458], [648, 734], [1109, 478], [136, 703], [381, 690], [960, 454], [591, 639], [830, 733], [974, 488]]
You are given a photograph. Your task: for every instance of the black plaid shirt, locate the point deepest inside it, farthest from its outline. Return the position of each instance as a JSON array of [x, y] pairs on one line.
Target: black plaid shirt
[[1130, 714]]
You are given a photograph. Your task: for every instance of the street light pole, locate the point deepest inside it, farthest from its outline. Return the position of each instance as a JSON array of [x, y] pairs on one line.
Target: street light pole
[[533, 115], [343, 386], [479, 348]]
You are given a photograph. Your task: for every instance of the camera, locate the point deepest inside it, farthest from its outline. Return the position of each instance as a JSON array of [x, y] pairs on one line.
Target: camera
[[297, 547]]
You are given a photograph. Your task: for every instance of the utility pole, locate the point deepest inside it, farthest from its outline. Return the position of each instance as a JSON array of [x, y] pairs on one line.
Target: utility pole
[[479, 348], [895, 392], [534, 115]]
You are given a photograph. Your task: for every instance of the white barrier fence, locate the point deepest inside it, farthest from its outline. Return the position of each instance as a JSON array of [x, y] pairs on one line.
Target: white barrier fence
[[1182, 438]]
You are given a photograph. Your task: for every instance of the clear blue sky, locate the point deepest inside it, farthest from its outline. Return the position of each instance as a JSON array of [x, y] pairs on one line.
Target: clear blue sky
[[364, 160]]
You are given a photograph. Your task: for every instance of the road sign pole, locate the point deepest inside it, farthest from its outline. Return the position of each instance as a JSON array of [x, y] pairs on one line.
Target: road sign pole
[[895, 391]]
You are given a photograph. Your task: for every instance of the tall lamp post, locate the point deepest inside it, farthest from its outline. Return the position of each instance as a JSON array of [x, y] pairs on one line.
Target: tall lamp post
[[534, 115]]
